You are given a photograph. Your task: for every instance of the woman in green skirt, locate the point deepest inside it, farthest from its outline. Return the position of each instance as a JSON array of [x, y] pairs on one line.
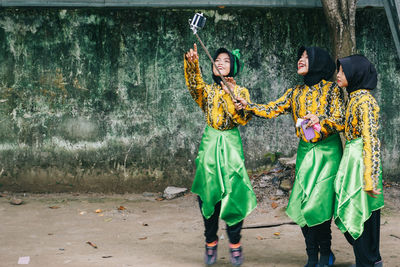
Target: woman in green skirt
[[319, 152], [359, 180], [221, 181]]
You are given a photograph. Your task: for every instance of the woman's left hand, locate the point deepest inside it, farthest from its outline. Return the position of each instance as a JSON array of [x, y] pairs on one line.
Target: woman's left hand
[[313, 119], [373, 193]]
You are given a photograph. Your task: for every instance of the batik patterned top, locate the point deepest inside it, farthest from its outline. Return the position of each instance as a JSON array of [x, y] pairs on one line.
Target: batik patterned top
[[362, 120], [324, 99], [212, 99]]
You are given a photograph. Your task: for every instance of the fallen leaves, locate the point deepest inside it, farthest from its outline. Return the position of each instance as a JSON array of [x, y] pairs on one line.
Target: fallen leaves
[[274, 205], [91, 244], [121, 208], [98, 211], [54, 207], [143, 238]]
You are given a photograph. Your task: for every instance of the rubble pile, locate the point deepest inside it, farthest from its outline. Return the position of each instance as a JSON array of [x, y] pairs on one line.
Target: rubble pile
[[276, 182]]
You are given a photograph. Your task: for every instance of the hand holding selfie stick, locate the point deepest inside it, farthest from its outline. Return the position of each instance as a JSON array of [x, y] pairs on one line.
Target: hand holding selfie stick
[[197, 23]]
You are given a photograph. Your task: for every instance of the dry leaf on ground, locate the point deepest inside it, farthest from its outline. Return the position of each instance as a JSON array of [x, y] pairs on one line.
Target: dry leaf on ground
[[91, 244]]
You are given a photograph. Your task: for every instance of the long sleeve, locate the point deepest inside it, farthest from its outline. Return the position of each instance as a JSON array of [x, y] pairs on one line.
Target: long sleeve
[[272, 109], [335, 108], [239, 117], [195, 83], [369, 117]]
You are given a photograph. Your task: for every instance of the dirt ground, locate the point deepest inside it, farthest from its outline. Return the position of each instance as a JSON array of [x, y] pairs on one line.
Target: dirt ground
[[53, 230]]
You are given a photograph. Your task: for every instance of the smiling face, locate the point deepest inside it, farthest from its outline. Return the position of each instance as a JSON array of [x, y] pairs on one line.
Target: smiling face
[[341, 78], [302, 64], [223, 63]]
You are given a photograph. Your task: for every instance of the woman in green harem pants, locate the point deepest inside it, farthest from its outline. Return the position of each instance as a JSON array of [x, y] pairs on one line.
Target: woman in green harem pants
[[312, 199], [221, 179], [359, 180]]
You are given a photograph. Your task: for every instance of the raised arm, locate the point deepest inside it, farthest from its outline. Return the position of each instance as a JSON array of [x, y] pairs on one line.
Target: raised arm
[[194, 80]]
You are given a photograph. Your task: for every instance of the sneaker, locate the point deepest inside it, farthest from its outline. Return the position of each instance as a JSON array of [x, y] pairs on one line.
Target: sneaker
[[329, 263], [236, 256], [210, 256], [311, 264]]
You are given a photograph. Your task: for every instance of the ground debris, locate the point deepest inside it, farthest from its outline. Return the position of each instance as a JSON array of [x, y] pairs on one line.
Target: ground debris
[[91, 244], [16, 201], [24, 260], [172, 192], [395, 236], [274, 183]]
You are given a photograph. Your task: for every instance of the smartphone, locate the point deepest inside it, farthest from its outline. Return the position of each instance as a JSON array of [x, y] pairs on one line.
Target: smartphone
[[308, 132]]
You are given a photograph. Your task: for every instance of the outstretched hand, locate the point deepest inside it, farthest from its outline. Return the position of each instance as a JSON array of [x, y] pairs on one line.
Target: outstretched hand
[[192, 55], [373, 193]]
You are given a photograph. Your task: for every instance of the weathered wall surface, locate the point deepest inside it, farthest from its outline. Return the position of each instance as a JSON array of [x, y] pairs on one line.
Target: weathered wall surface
[[95, 100]]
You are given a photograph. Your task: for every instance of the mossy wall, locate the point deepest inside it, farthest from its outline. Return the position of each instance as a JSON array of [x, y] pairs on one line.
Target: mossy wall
[[95, 99]]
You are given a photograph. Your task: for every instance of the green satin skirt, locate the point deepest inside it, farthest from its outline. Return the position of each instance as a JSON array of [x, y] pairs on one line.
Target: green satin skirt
[[312, 199], [353, 206], [221, 176]]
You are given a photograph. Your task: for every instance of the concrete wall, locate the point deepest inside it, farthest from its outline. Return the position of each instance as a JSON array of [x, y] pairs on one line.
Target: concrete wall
[[95, 100]]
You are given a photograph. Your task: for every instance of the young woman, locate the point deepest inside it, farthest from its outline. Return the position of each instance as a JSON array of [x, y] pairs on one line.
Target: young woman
[[221, 181], [359, 180], [321, 102]]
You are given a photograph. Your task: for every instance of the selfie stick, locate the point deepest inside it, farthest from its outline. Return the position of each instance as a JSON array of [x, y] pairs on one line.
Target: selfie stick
[[196, 23]]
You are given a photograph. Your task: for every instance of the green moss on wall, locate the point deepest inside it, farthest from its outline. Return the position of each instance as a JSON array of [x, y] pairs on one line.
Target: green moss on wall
[[95, 99]]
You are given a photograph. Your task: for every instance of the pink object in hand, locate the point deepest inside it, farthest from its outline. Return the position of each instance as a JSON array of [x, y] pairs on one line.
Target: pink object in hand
[[317, 127]]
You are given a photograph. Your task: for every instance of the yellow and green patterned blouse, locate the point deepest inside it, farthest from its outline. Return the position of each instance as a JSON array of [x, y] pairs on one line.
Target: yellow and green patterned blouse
[[362, 120], [216, 104], [324, 100]]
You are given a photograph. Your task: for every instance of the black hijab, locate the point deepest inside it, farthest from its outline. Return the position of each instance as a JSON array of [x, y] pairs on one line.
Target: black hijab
[[233, 59], [320, 65], [360, 72]]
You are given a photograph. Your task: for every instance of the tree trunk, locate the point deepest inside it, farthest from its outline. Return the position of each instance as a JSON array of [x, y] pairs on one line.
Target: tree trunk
[[341, 16]]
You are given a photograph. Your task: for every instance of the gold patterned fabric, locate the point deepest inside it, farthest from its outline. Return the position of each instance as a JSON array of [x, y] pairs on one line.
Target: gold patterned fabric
[[362, 120], [324, 99], [216, 104]]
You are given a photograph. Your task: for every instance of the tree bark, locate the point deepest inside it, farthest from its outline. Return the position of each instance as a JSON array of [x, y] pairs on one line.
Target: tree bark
[[341, 17]]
